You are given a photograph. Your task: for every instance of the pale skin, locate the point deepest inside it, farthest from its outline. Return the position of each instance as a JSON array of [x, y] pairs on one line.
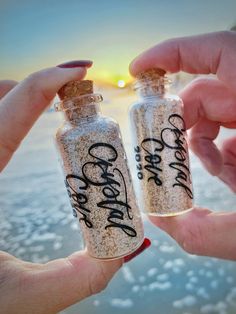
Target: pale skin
[[208, 104], [51, 287], [42, 288]]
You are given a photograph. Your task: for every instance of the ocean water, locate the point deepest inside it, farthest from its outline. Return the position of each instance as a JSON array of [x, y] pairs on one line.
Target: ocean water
[[36, 224]]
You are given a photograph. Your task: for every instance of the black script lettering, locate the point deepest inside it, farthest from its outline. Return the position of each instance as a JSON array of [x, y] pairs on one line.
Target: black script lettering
[[78, 200], [173, 138], [180, 156], [117, 209], [100, 166], [100, 172], [175, 133], [125, 192], [178, 117], [152, 146], [127, 229], [139, 160], [181, 175], [95, 148]]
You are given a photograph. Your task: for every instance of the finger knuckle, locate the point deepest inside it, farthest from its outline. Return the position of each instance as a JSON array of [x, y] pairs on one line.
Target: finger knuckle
[[36, 86], [34, 82], [99, 283], [191, 240], [32, 85], [13, 273], [96, 280], [26, 280], [36, 91], [32, 79]]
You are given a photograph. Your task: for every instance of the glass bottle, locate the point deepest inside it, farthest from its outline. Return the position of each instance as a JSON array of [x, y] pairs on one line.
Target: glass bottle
[[97, 177], [160, 147]]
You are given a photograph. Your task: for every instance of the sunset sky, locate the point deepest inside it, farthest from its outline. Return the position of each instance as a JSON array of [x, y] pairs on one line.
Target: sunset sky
[[38, 34]]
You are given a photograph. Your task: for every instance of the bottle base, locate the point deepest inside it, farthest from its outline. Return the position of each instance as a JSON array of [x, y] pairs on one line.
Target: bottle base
[[112, 258], [170, 214]]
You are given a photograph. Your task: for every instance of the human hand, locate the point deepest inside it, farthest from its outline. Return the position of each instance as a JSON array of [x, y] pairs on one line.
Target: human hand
[[51, 287], [208, 104]]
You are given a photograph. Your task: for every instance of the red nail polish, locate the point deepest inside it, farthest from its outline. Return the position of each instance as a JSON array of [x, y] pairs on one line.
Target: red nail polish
[[76, 64], [146, 243]]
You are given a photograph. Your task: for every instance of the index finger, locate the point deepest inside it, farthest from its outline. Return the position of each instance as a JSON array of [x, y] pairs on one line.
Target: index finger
[[20, 108], [203, 54]]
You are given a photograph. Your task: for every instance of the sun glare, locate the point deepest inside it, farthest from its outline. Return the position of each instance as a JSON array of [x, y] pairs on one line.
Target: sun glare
[[121, 83]]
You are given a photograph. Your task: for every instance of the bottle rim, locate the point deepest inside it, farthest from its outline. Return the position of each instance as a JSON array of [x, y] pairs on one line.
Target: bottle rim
[[142, 83], [75, 102]]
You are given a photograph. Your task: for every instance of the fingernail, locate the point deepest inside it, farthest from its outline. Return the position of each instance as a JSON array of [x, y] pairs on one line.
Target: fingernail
[[146, 243], [76, 64]]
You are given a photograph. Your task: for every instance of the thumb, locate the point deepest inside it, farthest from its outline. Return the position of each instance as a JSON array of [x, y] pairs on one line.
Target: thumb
[[202, 232], [52, 287], [76, 277], [20, 108]]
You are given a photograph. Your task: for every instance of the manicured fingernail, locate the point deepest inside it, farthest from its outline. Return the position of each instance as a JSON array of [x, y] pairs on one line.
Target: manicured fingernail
[[76, 64], [146, 243]]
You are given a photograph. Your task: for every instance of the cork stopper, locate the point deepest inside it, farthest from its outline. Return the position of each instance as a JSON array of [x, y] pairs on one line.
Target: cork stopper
[[151, 82], [151, 74], [75, 88]]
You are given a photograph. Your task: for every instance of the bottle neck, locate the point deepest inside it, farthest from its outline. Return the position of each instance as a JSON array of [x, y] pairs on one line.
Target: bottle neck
[[151, 87], [81, 108]]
